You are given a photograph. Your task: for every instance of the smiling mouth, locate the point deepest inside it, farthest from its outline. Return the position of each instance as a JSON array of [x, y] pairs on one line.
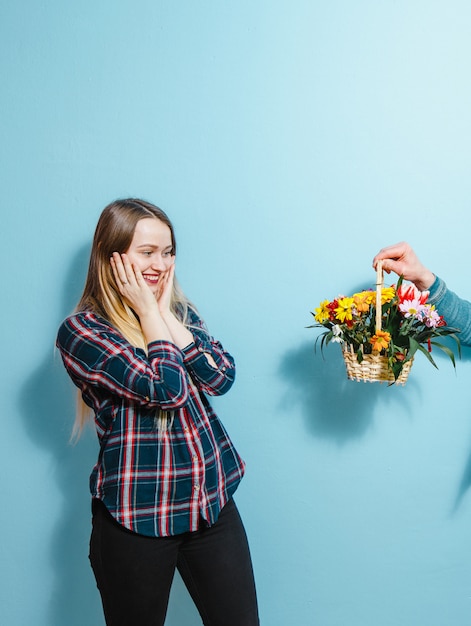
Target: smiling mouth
[[151, 278]]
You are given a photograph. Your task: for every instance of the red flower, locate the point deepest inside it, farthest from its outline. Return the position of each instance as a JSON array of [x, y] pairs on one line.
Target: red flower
[[410, 292], [332, 306]]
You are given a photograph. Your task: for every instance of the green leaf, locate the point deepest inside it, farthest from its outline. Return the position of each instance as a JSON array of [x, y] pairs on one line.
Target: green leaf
[[428, 355], [413, 347], [446, 350]]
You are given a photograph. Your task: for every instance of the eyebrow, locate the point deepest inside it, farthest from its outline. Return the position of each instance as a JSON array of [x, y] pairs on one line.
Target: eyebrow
[[154, 247]]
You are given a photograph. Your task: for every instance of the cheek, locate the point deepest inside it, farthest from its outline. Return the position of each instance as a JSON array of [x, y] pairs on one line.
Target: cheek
[[131, 256], [137, 260]]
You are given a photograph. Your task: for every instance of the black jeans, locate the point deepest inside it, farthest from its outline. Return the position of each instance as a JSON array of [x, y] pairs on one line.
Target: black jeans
[[134, 573]]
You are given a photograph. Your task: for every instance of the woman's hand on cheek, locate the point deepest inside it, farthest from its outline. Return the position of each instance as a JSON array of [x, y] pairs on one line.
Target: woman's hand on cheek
[[131, 285], [164, 292]]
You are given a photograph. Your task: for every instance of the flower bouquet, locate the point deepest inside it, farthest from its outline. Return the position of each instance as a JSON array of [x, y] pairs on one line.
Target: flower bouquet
[[380, 331]]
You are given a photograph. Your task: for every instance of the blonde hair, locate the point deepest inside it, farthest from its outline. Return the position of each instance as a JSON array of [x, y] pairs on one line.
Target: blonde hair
[[114, 233]]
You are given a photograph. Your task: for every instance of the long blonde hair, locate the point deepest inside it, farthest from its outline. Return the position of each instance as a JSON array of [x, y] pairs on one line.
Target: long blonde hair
[[114, 233]]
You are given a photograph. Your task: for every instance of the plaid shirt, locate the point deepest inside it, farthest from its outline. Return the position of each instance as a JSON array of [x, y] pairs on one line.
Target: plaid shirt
[[156, 482]]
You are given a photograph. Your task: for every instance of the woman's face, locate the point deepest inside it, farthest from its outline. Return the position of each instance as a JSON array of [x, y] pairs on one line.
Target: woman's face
[[151, 249]]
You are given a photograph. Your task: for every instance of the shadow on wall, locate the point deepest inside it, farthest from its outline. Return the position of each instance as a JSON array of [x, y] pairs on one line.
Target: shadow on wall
[[341, 410], [334, 407], [48, 405], [465, 482]]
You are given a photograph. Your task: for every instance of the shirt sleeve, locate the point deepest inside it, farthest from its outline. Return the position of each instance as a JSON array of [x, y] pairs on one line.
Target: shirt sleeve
[[95, 355], [455, 310], [213, 381]]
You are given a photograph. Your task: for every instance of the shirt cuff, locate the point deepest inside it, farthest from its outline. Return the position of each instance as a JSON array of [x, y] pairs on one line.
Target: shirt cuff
[[190, 352], [162, 348], [437, 290]]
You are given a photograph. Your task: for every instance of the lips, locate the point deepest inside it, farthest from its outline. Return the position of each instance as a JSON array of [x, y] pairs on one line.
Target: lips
[[151, 278]]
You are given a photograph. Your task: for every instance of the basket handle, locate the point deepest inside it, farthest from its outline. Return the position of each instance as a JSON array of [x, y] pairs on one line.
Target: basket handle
[[379, 289]]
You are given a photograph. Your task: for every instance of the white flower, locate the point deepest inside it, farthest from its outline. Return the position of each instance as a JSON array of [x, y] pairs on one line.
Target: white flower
[[337, 332]]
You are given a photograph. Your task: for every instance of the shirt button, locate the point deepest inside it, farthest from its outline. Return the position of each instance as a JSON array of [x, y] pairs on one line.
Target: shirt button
[[197, 487], [195, 458]]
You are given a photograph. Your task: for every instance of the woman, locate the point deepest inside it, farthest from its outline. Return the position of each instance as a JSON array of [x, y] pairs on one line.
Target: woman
[[401, 259], [162, 486]]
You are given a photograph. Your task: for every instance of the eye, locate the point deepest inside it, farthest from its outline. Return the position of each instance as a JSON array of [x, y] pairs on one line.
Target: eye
[[167, 253], [147, 252]]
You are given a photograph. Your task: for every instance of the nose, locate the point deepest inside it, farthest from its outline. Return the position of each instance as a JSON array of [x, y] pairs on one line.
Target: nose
[[158, 263]]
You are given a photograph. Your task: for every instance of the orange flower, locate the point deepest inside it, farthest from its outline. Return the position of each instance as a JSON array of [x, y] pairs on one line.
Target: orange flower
[[380, 340], [362, 301]]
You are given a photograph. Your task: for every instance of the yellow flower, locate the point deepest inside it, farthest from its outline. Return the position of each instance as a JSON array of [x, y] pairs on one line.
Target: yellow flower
[[387, 294], [322, 312], [362, 301], [344, 309], [380, 340]]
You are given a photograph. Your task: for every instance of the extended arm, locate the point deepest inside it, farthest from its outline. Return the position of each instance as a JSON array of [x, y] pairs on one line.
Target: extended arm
[[401, 259]]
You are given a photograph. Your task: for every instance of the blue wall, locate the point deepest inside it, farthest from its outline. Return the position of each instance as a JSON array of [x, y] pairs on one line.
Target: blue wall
[[289, 141]]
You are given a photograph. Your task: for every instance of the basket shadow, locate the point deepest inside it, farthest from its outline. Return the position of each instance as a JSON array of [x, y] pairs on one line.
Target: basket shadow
[[315, 379], [332, 406]]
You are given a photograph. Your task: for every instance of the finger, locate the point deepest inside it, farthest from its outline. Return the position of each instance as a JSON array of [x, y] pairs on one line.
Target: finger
[[138, 277], [115, 271], [132, 274], [129, 273], [119, 269], [391, 254], [396, 251], [165, 277]]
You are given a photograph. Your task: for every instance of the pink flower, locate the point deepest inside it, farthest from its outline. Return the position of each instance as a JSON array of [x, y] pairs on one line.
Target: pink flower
[[431, 318]]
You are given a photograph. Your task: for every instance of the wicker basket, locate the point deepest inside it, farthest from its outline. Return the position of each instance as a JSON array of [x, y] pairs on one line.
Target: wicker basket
[[373, 368]]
